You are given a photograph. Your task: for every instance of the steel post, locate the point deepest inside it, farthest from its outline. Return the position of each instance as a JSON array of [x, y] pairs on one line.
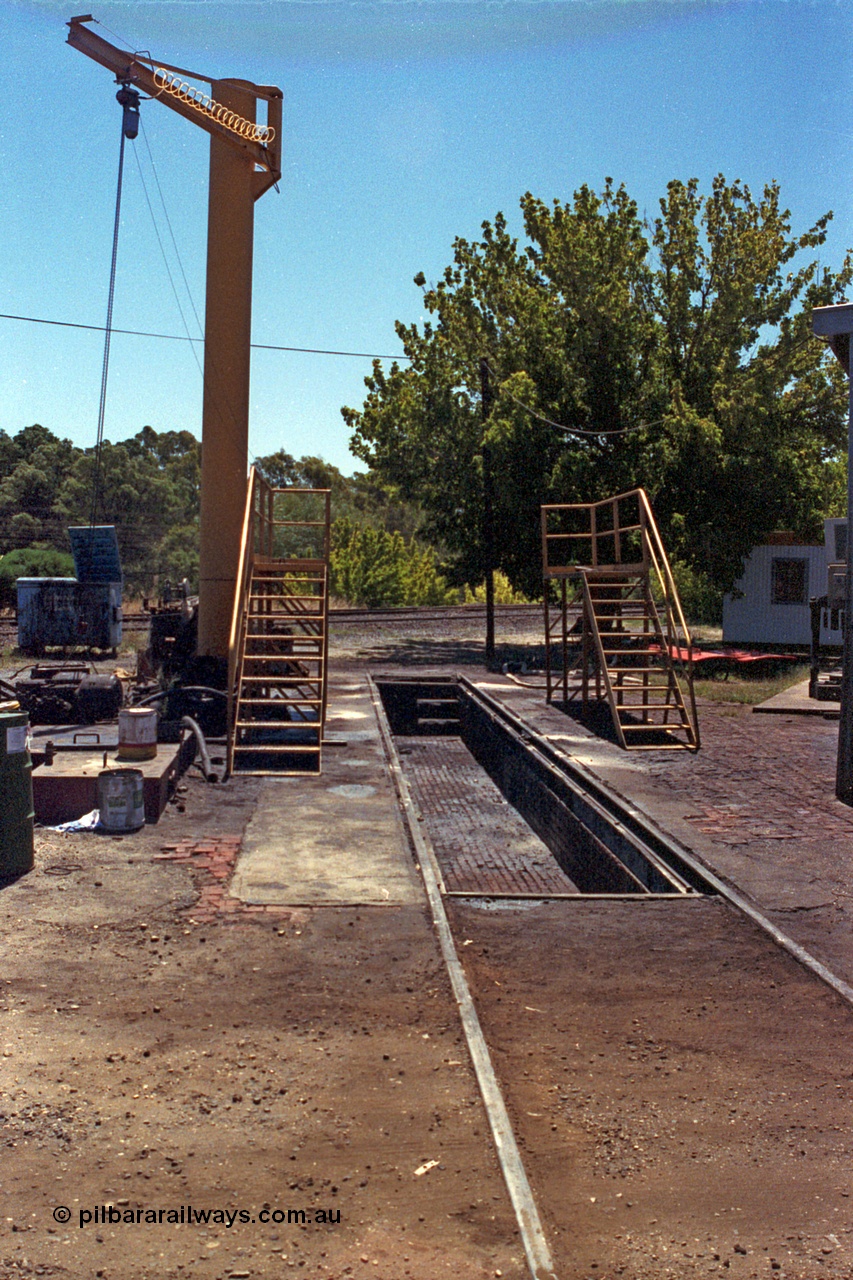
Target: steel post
[[844, 766], [227, 351]]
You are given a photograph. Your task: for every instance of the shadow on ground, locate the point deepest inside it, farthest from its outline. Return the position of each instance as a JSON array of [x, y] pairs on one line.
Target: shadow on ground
[[453, 652], [598, 719]]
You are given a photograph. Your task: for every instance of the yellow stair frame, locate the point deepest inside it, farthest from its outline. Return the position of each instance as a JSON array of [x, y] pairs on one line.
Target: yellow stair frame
[[618, 634], [279, 644]]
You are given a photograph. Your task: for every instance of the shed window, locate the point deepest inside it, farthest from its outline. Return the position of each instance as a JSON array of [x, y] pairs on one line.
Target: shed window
[[790, 582], [841, 541]]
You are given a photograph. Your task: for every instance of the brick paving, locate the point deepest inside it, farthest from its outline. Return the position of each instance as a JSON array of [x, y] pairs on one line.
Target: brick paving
[[213, 860], [756, 803], [482, 843], [760, 777]]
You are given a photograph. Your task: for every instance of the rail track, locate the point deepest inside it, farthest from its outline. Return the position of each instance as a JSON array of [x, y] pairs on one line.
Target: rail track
[[420, 614], [403, 617]]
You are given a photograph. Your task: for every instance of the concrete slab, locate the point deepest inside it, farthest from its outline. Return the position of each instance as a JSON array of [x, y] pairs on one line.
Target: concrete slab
[[796, 702], [336, 839]]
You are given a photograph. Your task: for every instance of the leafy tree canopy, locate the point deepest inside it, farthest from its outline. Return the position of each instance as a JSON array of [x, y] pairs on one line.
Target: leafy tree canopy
[[674, 354], [150, 492]]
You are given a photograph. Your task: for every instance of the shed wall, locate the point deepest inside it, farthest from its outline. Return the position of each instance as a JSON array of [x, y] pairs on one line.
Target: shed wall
[[753, 618]]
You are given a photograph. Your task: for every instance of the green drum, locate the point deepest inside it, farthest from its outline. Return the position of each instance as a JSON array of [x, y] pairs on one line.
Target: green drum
[[16, 796]]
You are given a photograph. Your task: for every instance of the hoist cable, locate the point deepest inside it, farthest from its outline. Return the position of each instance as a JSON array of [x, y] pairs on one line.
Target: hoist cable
[[171, 231], [166, 261], [97, 477], [219, 403]]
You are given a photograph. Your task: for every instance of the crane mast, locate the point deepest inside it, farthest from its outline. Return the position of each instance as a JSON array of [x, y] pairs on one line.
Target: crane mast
[[245, 161]]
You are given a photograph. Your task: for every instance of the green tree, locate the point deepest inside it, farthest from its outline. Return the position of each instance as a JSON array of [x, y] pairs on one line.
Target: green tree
[[31, 562], [361, 498], [35, 463], [676, 356], [373, 568], [150, 491]]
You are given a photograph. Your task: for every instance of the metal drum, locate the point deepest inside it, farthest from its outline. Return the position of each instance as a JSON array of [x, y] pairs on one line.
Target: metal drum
[[121, 800], [16, 795], [137, 733]]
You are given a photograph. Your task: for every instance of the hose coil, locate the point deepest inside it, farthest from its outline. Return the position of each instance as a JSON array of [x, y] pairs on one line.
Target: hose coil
[[170, 82]]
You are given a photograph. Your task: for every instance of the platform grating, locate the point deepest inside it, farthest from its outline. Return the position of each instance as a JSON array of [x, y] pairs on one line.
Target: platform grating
[[482, 843]]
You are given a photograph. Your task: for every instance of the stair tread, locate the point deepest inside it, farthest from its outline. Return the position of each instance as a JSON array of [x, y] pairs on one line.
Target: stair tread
[[635, 670], [629, 709], [650, 728], [269, 702], [304, 640], [240, 722], [297, 680], [283, 657], [275, 773], [639, 653]]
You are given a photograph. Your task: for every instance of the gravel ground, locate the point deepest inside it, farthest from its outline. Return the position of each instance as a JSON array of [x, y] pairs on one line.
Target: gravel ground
[[680, 1089], [158, 1056]]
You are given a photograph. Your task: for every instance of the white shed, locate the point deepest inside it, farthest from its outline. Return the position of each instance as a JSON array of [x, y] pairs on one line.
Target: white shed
[[770, 603]]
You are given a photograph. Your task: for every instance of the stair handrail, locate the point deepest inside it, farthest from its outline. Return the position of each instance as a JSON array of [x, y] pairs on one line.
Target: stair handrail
[[652, 543], [677, 637], [257, 549], [244, 574], [594, 535], [663, 569], [672, 601]]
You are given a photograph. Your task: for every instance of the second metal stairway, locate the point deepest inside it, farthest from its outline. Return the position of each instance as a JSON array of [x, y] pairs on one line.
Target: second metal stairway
[[628, 644]]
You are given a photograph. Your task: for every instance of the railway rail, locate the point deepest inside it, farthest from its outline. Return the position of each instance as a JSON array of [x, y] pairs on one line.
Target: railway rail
[[556, 951], [414, 615]]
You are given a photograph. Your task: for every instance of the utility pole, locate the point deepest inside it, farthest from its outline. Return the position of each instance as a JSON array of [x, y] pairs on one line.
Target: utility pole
[[836, 325], [488, 513], [245, 161]]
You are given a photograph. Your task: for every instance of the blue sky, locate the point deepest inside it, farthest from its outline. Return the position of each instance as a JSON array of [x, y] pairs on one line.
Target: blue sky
[[405, 124]]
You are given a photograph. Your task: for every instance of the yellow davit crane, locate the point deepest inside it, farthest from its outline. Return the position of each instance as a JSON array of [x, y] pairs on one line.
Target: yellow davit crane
[[245, 161]]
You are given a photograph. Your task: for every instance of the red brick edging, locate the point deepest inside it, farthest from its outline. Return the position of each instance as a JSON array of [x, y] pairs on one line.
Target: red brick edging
[[214, 859]]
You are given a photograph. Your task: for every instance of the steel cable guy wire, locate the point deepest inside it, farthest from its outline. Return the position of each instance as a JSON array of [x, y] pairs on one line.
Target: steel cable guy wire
[[96, 478]]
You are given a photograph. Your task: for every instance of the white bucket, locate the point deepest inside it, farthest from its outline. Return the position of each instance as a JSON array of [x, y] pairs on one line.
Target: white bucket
[[121, 800], [137, 733]]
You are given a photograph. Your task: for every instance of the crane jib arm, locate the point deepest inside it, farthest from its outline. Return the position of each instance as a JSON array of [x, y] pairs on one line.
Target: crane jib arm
[[260, 143]]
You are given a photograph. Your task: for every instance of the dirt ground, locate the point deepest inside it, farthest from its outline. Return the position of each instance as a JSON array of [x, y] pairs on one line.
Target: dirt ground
[[307, 1061], [680, 1089]]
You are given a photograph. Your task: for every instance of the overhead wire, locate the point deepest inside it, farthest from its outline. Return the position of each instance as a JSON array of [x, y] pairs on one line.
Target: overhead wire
[[177, 337], [575, 431]]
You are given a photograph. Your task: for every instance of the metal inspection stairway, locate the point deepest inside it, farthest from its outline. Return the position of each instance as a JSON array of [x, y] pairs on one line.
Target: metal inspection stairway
[[629, 646], [279, 650]]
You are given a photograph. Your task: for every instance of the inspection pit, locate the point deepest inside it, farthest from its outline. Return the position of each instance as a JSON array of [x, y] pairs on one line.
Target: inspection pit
[[510, 817]]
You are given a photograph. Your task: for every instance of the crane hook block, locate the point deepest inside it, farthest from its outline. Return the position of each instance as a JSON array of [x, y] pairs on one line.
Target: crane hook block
[[128, 99]]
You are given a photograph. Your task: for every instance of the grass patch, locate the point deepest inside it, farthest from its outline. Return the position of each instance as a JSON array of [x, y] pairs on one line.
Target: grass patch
[[748, 692]]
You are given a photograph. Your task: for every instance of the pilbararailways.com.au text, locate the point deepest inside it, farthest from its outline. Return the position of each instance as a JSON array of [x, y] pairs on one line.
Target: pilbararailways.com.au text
[[188, 1215]]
